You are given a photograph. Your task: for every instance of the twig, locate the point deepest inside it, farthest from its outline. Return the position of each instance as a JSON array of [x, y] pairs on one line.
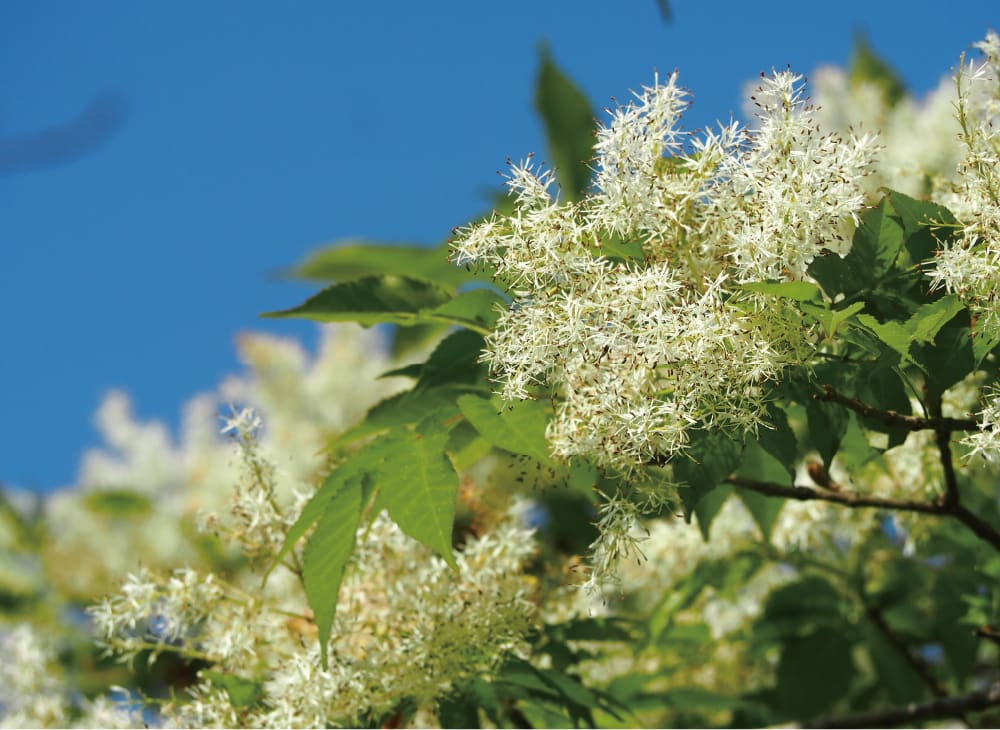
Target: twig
[[917, 664], [982, 529], [943, 707], [892, 418], [943, 438], [986, 632], [848, 499]]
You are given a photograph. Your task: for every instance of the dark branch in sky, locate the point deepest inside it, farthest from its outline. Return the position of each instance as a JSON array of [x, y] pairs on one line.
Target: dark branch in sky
[[665, 12], [65, 143]]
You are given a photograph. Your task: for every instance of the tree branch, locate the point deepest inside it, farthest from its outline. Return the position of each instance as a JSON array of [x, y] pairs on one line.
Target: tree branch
[[917, 664], [986, 632], [848, 499], [943, 438], [892, 418], [937, 709], [982, 529]]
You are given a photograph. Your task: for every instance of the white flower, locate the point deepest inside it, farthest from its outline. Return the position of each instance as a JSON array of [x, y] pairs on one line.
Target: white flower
[[243, 423]]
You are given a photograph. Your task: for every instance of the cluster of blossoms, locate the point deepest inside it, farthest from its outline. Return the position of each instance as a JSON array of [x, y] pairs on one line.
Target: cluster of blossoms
[[970, 268], [928, 152], [919, 151], [629, 304], [139, 495], [632, 306], [408, 626], [32, 694]]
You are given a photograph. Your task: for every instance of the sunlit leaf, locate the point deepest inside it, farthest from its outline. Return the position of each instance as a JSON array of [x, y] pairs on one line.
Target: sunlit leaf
[[326, 555], [354, 258], [569, 126], [418, 485], [388, 298], [518, 428]]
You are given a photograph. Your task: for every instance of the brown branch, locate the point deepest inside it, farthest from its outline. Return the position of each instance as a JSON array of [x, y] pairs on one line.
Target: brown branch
[[917, 664], [848, 499], [899, 420], [943, 439], [937, 709], [982, 529], [988, 633]]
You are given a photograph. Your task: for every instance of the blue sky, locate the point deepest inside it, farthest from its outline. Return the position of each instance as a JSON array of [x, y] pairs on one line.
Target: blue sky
[[253, 132]]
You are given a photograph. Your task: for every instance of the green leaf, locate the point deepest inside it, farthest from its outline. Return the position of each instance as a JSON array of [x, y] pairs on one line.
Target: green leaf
[[799, 291], [117, 503], [582, 477], [418, 485], [372, 300], [415, 338], [545, 712], [855, 449], [406, 408], [763, 509], [485, 696], [352, 469], [874, 250], [927, 321], [466, 446], [814, 672], [710, 458], [960, 645], [615, 248], [326, 555], [877, 241], [406, 371], [891, 333], [612, 628], [353, 258], [457, 712], [884, 387], [796, 609], [867, 67], [835, 274], [519, 428], [556, 687], [759, 465], [897, 676], [831, 319], [242, 692], [569, 126], [983, 343], [827, 426], [691, 698], [950, 358], [477, 308], [455, 361], [709, 506], [777, 439], [922, 225]]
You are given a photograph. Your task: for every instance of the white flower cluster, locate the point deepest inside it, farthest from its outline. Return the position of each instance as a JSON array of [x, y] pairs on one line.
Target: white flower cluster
[[789, 192], [986, 441], [971, 267], [628, 303], [33, 694], [919, 146], [170, 481], [408, 626]]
